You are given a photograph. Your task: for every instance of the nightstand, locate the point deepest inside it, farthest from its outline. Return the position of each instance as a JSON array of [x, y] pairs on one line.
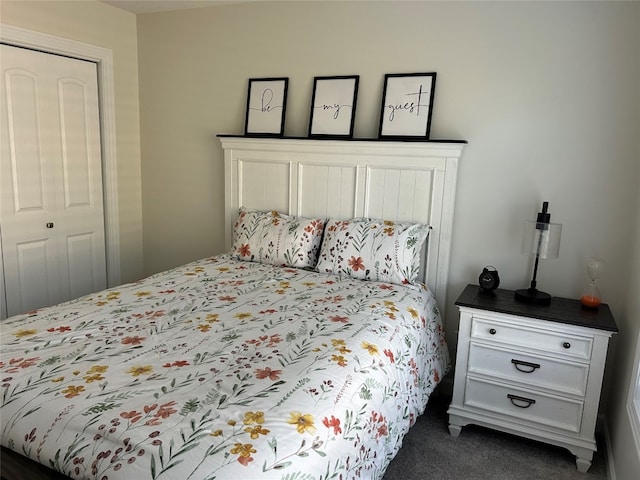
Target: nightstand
[[533, 371]]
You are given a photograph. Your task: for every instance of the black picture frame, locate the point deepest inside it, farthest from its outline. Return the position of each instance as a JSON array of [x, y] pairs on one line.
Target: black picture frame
[[266, 107], [333, 106], [407, 106]]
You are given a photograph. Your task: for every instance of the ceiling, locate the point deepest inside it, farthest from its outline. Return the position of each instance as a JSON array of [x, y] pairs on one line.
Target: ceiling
[[150, 6]]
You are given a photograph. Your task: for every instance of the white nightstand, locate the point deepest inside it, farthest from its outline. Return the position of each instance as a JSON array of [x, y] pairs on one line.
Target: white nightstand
[[533, 371]]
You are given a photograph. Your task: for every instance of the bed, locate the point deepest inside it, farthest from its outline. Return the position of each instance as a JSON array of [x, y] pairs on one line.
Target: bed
[[306, 351]]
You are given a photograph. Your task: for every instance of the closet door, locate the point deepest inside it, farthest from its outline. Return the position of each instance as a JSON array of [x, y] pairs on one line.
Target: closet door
[[51, 212]]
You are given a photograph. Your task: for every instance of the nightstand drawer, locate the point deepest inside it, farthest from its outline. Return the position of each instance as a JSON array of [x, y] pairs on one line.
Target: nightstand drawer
[[544, 372], [547, 341], [522, 405]]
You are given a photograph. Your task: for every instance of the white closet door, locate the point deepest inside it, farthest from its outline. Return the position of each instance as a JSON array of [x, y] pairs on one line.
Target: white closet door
[[51, 212]]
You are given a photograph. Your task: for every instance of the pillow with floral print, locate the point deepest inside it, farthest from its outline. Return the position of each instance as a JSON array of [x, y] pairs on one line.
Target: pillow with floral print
[[277, 239], [376, 250]]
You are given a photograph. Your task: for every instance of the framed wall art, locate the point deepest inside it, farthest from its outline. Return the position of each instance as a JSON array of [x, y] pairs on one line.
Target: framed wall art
[[333, 106], [407, 105], [266, 106]]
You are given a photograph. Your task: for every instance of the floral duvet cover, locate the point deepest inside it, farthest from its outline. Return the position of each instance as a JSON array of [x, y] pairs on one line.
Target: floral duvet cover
[[222, 369]]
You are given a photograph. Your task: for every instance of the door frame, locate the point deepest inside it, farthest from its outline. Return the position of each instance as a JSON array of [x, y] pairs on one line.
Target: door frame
[[103, 57]]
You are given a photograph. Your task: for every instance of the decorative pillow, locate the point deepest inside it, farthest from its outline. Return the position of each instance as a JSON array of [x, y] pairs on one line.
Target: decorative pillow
[[373, 249], [277, 239]]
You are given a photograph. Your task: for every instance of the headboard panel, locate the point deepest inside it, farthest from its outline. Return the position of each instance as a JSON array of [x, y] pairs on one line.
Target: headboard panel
[[401, 181]]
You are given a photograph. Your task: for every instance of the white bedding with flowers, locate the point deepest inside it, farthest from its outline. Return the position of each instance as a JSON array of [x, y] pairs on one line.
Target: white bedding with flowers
[[222, 369]]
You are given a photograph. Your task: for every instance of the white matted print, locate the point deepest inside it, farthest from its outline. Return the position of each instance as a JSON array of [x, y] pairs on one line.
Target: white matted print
[[407, 105], [333, 106], [266, 105]]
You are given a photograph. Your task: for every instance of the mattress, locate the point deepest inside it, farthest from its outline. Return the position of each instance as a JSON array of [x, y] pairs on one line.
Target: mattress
[[222, 369]]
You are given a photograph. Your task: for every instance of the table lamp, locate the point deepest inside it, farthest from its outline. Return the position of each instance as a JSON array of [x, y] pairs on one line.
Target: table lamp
[[542, 240]]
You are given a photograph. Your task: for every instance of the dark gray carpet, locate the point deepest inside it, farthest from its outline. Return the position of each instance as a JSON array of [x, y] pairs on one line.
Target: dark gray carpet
[[429, 452]]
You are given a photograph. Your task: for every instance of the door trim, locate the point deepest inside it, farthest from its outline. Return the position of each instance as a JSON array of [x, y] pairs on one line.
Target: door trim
[[103, 57]]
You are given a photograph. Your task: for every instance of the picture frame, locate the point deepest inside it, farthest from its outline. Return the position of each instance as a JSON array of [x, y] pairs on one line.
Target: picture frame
[[407, 106], [333, 106], [266, 107]]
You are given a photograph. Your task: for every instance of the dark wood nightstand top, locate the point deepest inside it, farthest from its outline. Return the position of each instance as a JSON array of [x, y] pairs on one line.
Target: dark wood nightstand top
[[561, 310]]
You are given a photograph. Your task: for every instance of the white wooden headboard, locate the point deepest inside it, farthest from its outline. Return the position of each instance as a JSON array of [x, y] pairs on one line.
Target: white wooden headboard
[[400, 181]]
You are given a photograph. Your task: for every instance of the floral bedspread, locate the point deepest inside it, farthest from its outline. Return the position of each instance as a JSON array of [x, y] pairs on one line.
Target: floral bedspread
[[222, 369]]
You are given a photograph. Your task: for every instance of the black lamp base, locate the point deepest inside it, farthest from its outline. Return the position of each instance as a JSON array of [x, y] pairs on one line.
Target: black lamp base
[[533, 296]]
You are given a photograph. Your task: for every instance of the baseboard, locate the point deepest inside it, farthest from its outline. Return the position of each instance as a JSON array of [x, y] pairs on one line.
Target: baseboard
[[603, 428]]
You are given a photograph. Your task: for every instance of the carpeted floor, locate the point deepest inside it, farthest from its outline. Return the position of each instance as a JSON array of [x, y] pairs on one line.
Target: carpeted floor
[[429, 452]]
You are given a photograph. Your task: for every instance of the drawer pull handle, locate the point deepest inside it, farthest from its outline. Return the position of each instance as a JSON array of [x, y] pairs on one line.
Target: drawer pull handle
[[566, 345], [525, 367], [515, 399], [492, 331]]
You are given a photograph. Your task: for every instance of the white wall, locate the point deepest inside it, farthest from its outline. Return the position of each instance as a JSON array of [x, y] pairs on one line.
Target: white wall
[[625, 452], [546, 93], [100, 25]]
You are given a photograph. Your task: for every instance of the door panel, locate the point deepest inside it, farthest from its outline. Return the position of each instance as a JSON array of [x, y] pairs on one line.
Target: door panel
[[26, 175], [34, 265], [81, 263], [76, 143], [51, 212]]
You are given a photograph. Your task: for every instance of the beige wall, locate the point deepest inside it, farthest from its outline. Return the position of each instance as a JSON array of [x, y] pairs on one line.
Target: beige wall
[[627, 458], [100, 25], [545, 92]]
